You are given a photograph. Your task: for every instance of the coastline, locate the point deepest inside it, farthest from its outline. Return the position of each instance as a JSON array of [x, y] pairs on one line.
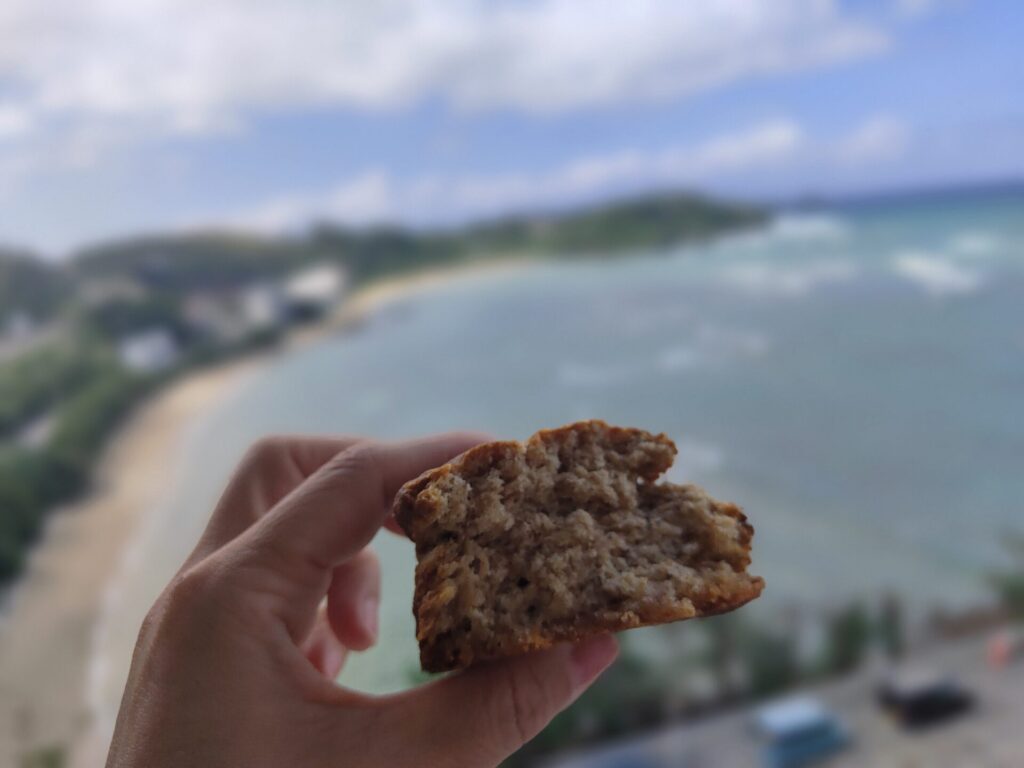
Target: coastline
[[46, 639], [52, 619]]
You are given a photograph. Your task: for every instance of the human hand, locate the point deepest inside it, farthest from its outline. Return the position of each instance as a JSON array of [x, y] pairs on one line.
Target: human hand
[[235, 663]]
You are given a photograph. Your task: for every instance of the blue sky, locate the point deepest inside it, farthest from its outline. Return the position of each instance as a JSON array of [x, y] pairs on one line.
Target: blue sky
[[125, 116]]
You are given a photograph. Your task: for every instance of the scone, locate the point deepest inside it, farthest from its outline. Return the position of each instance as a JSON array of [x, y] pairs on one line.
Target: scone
[[523, 545]]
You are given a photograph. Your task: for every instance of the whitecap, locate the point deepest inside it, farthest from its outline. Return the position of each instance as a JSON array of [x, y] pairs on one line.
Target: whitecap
[[934, 275], [712, 345], [790, 227], [973, 243], [764, 278]]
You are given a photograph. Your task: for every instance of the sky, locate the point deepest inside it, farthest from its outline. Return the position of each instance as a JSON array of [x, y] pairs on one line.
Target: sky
[[123, 117]]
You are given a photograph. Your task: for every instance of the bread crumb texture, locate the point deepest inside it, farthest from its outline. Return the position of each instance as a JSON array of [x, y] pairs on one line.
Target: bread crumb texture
[[523, 545]]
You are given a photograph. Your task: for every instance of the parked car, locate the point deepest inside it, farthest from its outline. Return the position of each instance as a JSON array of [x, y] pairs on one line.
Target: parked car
[[918, 699], [799, 732]]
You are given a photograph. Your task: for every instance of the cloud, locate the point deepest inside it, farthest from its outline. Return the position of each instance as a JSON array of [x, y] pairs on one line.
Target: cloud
[[376, 196], [14, 121], [879, 137], [196, 66]]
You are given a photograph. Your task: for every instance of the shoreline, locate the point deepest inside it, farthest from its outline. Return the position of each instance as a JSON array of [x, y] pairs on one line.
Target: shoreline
[[52, 617]]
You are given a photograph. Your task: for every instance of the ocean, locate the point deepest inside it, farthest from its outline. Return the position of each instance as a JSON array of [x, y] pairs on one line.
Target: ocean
[[853, 377]]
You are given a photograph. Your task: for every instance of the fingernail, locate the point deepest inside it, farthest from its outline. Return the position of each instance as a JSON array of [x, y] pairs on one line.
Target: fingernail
[[369, 615], [591, 657]]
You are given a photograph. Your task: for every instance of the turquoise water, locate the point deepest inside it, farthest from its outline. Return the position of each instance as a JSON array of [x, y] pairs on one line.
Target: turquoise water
[[853, 378]]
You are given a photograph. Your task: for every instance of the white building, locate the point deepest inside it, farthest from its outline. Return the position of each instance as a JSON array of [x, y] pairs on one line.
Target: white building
[[149, 351], [316, 288], [263, 306], [231, 315]]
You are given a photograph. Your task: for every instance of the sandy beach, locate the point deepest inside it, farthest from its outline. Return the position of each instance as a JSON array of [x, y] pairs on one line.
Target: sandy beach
[[45, 640], [48, 629]]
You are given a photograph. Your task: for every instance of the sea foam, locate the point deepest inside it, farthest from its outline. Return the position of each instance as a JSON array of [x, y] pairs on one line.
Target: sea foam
[[762, 278], [935, 275]]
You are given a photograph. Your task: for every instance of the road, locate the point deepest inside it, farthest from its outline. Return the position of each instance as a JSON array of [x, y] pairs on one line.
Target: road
[[991, 736]]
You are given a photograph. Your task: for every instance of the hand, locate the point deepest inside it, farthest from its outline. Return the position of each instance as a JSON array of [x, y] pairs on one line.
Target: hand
[[235, 663]]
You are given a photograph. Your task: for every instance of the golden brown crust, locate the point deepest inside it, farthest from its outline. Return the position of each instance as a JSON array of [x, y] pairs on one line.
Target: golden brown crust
[[440, 657], [422, 501], [487, 454]]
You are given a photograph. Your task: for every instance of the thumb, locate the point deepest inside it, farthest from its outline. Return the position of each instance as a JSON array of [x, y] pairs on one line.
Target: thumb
[[479, 717]]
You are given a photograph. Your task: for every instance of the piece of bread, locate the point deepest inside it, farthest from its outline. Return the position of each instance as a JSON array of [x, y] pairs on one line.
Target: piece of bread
[[523, 545]]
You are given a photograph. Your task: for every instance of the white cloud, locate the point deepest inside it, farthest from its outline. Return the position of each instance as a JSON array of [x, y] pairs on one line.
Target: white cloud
[[376, 196], [877, 138], [773, 145], [204, 65], [14, 121]]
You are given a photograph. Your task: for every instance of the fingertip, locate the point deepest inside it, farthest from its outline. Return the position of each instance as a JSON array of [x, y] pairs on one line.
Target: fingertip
[[590, 658], [353, 601], [391, 524]]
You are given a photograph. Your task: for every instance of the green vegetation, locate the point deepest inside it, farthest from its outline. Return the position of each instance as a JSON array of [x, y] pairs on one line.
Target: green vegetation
[[122, 317], [35, 381], [177, 265], [891, 628], [30, 482], [771, 660], [30, 285], [1009, 583], [848, 635], [48, 757], [85, 420]]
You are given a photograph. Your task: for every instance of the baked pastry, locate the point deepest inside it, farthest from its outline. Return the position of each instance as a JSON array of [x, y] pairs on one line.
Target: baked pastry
[[523, 545]]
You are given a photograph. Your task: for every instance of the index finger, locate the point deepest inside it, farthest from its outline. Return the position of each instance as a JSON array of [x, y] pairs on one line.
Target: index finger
[[271, 469], [333, 515]]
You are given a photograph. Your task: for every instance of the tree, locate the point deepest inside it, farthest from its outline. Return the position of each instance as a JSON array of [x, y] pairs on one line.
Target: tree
[[771, 661], [848, 633], [890, 627], [1009, 583]]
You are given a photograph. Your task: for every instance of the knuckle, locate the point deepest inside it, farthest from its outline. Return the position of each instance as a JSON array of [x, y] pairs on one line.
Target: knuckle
[[362, 462], [262, 450], [191, 588]]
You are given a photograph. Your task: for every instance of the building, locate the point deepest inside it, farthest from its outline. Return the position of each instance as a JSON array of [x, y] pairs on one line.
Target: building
[[312, 291], [149, 351], [230, 315]]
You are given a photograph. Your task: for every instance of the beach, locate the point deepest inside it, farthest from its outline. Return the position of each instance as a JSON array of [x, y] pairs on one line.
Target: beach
[[49, 628], [46, 638]]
